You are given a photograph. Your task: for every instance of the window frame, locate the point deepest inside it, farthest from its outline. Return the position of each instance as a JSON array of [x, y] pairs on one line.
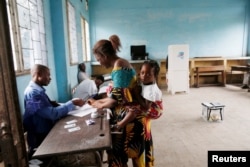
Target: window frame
[[16, 37], [85, 39], [72, 35]]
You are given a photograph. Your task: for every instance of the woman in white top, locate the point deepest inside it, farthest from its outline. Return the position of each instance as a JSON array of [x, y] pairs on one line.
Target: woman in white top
[[88, 88]]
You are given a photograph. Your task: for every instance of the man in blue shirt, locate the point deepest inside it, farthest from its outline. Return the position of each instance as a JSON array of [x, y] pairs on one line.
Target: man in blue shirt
[[40, 112]]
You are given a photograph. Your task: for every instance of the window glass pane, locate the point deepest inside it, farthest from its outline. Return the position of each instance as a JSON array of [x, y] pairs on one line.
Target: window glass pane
[[72, 34], [84, 50], [87, 40], [28, 33]]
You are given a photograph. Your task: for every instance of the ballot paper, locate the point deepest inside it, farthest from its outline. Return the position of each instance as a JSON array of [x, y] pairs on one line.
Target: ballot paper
[[70, 125], [35, 162], [83, 111], [74, 129]]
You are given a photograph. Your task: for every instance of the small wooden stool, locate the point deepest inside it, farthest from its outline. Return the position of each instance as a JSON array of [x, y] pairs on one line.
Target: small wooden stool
[[209, 107]]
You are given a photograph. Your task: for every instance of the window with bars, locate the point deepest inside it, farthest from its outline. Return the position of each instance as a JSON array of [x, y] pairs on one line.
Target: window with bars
[[85, 40], [26, 18]]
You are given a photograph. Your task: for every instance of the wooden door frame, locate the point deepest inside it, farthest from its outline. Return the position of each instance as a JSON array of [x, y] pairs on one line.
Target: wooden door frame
[[12, 144]]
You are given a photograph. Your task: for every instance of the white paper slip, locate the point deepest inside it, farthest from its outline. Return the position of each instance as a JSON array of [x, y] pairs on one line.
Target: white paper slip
[[74, 129], [71, 122], [83, 111], [70, 125], [35, 162]]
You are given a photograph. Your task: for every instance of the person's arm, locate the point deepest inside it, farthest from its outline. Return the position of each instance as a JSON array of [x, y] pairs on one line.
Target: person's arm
[[39, 104], [151, 109], [130, 116], [145, 104], [102, 103]]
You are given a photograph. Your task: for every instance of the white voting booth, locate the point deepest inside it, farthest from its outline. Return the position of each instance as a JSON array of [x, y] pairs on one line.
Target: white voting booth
[[178, 68]]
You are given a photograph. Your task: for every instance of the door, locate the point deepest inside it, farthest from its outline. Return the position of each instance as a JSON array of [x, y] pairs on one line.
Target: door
[[12, 145]]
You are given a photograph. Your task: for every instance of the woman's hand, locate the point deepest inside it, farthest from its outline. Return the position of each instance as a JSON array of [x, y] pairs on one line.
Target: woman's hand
[[97, 104], [102, 103]]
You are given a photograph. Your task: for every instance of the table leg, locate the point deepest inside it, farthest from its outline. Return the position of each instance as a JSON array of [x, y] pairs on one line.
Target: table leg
[[223, 78], [197, 78], [230, 80], [209, 113], [221, 109]]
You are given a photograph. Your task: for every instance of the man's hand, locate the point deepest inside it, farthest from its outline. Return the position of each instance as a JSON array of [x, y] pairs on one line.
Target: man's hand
[[78, 102]]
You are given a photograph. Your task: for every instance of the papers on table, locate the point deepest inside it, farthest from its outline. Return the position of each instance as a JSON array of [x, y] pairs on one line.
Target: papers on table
[[83, 111]]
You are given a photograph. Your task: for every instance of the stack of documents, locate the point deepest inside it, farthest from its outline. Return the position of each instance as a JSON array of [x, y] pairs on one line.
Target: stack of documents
[[83, 111]]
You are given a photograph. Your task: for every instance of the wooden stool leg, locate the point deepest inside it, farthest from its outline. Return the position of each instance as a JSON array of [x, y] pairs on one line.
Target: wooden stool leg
[[209, 113], [221, 114]]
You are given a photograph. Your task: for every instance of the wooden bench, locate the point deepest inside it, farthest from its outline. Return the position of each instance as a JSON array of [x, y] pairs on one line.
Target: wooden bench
[[212, 70]]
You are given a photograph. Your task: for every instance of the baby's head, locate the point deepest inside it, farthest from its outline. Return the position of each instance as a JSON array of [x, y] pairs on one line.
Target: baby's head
[[149, 72]]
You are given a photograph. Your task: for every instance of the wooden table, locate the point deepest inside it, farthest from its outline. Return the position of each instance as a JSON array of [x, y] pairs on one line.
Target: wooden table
[[210, 69], [60, 141], [240, 68]]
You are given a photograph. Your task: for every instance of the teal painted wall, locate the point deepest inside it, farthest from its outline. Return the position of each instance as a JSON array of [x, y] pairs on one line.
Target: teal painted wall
[[60, 47], [65, 72], [211, 28]]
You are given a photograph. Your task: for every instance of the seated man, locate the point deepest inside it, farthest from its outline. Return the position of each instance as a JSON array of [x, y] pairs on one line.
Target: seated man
[[88, 88], [40, 112]]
